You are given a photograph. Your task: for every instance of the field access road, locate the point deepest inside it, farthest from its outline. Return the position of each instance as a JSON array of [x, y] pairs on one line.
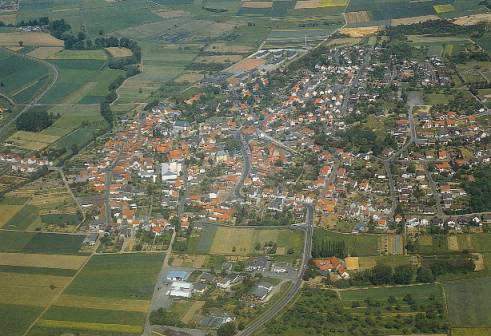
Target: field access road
[[159, 291], [279, 305], [36, 99]]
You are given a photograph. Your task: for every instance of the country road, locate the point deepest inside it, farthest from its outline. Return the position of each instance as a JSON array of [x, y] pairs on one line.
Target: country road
[[281, 304], [36, 99]]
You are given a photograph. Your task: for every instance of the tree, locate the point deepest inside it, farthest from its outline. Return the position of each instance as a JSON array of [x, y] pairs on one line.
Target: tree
[[381, 274], [107, 113], [34, 121], [425, 274], [176, 223], [403, 274], [227, 329]]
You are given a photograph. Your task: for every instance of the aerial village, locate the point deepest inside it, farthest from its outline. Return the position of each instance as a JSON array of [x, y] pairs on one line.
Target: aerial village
[[266, 145]]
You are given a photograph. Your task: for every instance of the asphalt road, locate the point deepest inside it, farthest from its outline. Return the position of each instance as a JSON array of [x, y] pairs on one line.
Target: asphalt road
[[279, 305], [246, 158]]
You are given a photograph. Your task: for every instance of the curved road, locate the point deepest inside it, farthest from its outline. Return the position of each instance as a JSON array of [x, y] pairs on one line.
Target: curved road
[[279, 305], [41, 95]]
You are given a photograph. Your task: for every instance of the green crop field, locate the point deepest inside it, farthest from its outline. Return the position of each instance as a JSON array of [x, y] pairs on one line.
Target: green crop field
[[94, 315], [468, 302], [14, 241], [79, 79], [23, 218], [356, 245], [15, 319], [22, 78], [52, 243], [118, 276]]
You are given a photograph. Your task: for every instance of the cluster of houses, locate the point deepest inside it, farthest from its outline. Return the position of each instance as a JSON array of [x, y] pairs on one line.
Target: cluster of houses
[[24, 165]]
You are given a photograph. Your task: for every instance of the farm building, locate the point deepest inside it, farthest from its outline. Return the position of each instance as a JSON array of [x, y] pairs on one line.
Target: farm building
[[177, 275], [181, 289]]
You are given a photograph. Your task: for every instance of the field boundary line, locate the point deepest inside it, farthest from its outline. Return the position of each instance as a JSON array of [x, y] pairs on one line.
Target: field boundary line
[[60, 293], [36, 99]]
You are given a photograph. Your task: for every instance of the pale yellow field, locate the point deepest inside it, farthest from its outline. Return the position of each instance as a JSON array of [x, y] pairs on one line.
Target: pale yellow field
[[29, 39], [121, 328], [473, 19], [8, 18], [352, 263], [102, 303], [453, 243], [256, 4], [308, 4], [32, 140], [119, 52], [42, 260], [45, 52], [414, 19], [7, 212], [29, 289], [333, 3], [425, 241], [170, 13], [195, 307], [360, 32], [244, 240], [471, 331], [439, 9], [345, 41], [357, 17], [191, 77]]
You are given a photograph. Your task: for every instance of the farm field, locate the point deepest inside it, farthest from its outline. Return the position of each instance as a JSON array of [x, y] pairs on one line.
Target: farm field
[[105, 297], [47, 243], [98, 55], [31, 141], [478, 242], [37, 39], [79, 79], [218, 240], [119, 52], [47, 204], [476, 312], [104, 277], [15, 318], [355, 245], [23, 78]]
